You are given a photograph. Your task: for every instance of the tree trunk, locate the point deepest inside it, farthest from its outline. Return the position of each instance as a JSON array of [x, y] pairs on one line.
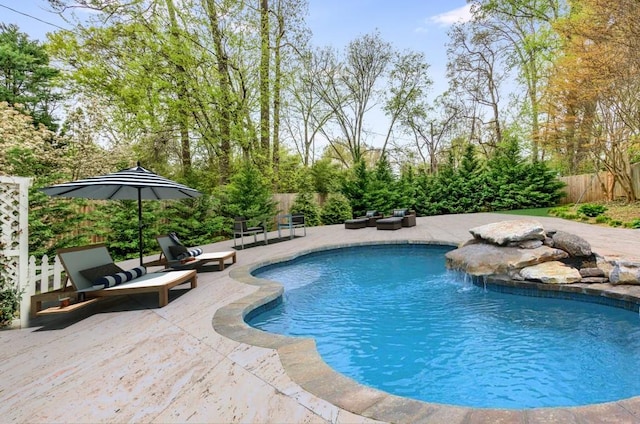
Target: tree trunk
[[264, 82], [182, 95], [277, 85], [225, 93]]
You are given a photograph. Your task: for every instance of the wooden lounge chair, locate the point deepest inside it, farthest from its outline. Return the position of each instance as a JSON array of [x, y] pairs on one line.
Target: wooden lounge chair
[[81, 291], [171, 248]]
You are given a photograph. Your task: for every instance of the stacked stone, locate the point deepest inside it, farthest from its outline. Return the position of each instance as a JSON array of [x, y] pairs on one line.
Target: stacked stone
[[523, 250]]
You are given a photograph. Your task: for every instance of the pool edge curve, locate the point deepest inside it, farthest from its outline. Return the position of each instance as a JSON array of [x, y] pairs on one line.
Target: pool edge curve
[[304, 365]]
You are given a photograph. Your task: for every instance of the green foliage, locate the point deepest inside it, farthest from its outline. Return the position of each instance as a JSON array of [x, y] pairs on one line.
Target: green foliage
[[336, 209], [9, 295], [9, 302], [305, 203], [516, 184], [565, 212], [559, 210], [248, 195], [407, 189], [355, 187], [325, 176], [382, 193], [287, 172], [194, 220], [602, 219], [504, 182], [117, 222], [26, 78], [592, 210], [635, 223], [425, 199]]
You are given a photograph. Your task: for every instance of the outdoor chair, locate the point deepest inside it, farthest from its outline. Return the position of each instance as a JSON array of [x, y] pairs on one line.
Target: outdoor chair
[[356, 223], [291, 222], [177, 256], [409, 219], [241, 229], [400, 218], [391, 223], [92, 274], [372, 217]]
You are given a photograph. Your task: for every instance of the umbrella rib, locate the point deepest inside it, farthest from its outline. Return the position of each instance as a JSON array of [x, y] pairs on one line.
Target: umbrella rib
[[114, 193]]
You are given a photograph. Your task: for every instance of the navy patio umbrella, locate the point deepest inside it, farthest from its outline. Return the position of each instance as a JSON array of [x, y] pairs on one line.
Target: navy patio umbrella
[[135, 183]]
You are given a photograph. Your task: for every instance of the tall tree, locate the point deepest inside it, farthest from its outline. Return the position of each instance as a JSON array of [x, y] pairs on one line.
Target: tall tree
[[26, 79], [265, 66], [524, 28], [307, 113], [180, 74], [408, 84], [348, 86], [475, 72], [593, 93]]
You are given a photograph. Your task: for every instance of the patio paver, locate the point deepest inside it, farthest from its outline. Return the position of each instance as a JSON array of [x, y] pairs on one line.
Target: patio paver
[[128, 360]]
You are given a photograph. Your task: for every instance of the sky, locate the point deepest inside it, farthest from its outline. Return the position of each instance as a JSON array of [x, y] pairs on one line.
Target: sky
[[417, 25]]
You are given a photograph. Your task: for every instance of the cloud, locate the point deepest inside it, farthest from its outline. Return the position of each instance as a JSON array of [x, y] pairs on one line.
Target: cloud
[[461, 14]]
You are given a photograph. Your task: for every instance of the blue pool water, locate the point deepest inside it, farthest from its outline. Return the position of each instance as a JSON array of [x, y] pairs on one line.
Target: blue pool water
[[393, 318]]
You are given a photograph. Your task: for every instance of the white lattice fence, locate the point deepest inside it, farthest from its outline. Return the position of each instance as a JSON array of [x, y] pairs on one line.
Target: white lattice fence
[[14, 220]]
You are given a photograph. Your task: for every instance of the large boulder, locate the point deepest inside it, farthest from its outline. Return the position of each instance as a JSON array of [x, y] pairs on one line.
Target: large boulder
[[553, 272], [625, 272], [487, 259], [572, 244], [502, 233]]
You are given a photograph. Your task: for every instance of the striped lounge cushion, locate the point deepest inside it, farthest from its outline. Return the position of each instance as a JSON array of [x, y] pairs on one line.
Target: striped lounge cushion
[[119, 278], [181, 252], [190, 253]]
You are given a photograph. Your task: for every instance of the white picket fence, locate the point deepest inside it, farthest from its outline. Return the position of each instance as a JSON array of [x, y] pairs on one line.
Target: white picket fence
[[43, 277]]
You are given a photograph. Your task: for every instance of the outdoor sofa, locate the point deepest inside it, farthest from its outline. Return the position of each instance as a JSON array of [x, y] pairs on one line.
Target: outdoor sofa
[[400, 218], [368, 220]]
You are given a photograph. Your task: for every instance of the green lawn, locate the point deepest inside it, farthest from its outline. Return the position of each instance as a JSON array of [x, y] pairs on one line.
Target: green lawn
[[529, 212]]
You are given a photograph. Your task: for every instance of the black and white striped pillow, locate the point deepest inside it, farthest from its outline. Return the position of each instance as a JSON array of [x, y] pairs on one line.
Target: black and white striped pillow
[[190, 253], [119, 278]]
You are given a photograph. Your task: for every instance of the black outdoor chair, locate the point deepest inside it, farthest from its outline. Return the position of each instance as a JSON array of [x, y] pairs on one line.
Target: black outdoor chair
[[240, 229]]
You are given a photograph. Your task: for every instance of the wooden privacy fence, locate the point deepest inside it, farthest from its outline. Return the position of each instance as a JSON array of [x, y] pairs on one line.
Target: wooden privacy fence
[[283, 206], [285, 200], [589, 187]]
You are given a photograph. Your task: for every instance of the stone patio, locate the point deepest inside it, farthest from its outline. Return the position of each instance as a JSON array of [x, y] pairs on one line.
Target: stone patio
[[126, 360]]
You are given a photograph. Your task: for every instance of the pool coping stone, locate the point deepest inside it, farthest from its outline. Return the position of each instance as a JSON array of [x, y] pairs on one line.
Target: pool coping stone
[[303, 363], [127, 360]]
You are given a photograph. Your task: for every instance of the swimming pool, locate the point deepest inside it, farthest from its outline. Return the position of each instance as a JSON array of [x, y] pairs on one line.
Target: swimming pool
[[393, 318]]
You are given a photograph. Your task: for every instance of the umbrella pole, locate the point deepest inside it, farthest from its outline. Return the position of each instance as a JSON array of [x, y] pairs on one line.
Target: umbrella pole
[[140, 223]]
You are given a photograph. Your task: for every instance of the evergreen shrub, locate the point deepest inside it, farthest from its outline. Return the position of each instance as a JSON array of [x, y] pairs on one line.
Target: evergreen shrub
[[592, 210], [304, 203], [336, 209], [10, 296]]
